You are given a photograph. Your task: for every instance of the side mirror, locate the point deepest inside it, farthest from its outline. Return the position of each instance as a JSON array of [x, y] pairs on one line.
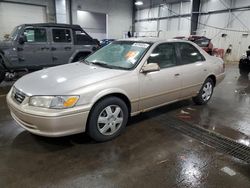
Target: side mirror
[[151, 67], [22, 39]]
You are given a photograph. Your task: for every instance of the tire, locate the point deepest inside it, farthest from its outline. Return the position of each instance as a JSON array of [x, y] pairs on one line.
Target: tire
[[2, 75], [244, 73], [205, 92], [107, 119]]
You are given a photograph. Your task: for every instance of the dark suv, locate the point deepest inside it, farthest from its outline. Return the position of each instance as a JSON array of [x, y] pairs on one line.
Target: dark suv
[[36, 46]]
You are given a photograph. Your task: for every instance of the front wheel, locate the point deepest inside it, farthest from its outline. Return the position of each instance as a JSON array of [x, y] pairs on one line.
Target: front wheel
[[107, 119], [205, 92]]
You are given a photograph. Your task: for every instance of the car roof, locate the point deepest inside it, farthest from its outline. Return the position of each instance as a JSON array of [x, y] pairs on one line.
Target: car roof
[[53, 25], [152, 40]]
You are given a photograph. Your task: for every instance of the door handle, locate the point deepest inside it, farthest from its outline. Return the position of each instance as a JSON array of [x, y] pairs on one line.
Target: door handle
[[177, 74], [67, 48], [205, 70], [53, 48]]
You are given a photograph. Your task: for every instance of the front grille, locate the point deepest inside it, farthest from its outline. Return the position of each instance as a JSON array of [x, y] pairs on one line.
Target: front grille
[[18, 96]]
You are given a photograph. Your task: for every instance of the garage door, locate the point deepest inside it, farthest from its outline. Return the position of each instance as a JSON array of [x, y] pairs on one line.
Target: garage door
[[13, 14]]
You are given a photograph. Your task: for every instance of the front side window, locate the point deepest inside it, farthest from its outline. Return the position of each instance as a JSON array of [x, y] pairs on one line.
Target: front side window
[[120, 54], [163, 55], [61, 35], [35, 34], [189, 54]]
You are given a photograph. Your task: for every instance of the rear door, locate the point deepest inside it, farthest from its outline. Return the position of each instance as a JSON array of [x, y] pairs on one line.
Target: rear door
[[193, 68], [35, 52], [61, 45]]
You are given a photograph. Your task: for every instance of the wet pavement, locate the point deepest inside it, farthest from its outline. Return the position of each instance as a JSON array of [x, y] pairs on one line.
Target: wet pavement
[[148, 154], [228, 112]]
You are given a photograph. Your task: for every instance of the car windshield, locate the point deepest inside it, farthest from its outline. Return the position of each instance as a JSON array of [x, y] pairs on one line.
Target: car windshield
[[119, 54], [14, 33]]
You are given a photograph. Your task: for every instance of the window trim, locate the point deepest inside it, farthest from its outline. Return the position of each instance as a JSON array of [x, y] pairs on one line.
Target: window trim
[[175, 53], [52, 38], [34, 42], [179, 53]]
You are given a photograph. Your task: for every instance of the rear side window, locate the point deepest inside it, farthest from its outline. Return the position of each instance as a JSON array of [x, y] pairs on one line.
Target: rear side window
[[81, 38], [189, 54], [35, 34], [61, 35], [164, 55]]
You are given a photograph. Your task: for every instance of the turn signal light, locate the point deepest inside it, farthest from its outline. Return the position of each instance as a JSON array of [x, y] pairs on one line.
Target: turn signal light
[[70, 102]]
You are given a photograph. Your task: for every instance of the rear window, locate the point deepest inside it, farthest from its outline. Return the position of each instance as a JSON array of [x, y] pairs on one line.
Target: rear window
[[61, 35], [81, 38], [189, 53]]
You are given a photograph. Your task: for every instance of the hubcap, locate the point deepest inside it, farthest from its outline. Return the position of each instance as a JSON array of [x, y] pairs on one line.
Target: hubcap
[[110, 120], [207, 91]]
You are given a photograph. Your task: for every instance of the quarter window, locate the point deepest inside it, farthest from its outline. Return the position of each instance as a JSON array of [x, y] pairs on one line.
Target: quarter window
[[35, 35], [81, 38], [61, 35], [163, 55], [189, 54]]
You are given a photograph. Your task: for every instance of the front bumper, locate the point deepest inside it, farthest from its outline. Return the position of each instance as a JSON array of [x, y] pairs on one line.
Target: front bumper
[[50, 125]]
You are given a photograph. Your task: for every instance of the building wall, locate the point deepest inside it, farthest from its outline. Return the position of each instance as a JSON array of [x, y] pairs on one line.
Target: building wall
[[50, 7], [164, 28], [237, 20], [119, 14]]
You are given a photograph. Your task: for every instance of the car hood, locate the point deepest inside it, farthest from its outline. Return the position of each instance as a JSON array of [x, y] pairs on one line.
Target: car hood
[[5, 44], [65, 79]]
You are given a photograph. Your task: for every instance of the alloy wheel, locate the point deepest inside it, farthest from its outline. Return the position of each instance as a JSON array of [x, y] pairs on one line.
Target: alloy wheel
[[207, 91], [110, 120]]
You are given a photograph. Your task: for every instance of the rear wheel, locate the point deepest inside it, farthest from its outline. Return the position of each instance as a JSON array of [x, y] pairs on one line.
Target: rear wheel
[[107, 119], [205, 92]]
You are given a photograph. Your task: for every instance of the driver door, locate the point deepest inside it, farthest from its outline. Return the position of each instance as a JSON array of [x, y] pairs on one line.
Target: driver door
[[163, 86], [35, 52]]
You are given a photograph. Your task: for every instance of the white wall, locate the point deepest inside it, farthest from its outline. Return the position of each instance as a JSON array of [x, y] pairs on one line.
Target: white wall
[[62, 15], [238, 20], [119, 14], [49, 4], [93, 23], [166, 28]]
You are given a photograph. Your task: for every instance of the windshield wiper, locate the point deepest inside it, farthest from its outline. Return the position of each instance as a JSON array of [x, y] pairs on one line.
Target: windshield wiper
[[102, 65], [108, 66]]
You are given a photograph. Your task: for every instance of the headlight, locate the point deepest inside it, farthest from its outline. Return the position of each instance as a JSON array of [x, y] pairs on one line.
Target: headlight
[[54, 102]]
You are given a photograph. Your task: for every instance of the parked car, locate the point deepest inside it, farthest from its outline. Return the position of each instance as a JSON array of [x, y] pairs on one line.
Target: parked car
[[35, 46], [122, 79], [205, 43], [244, 64], [105, 42]]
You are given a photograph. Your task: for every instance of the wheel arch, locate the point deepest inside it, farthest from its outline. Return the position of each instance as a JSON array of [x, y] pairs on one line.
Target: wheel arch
[[213, 77], [117, 94]]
